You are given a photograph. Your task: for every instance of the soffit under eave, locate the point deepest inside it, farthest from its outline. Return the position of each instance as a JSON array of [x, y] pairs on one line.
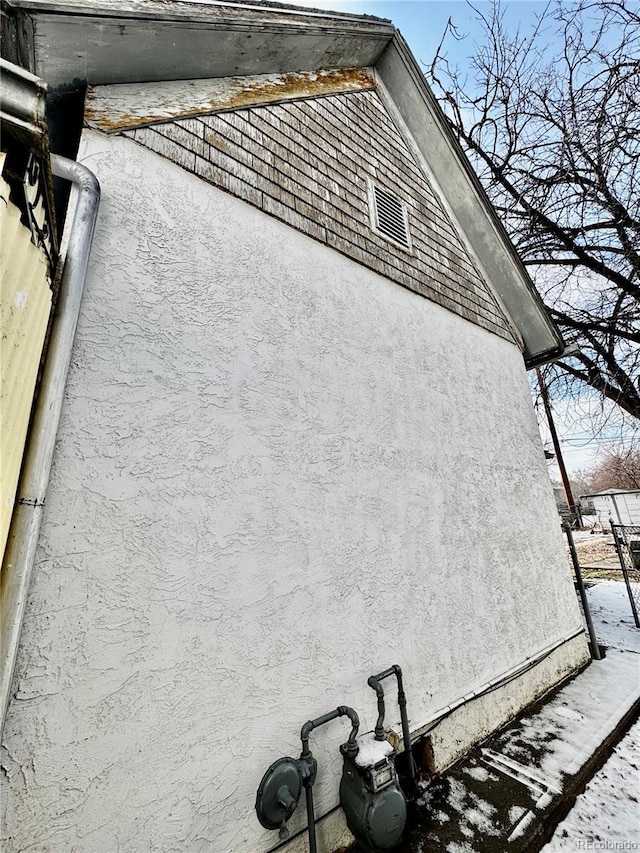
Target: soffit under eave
[[117, 48], [123, 106]]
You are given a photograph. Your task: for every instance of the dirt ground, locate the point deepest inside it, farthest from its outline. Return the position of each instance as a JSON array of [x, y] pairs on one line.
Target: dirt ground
[[596, 551]]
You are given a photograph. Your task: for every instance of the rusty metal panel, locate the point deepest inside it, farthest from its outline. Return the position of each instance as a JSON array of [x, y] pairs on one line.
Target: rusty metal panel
[[128, 105], [25, 306]]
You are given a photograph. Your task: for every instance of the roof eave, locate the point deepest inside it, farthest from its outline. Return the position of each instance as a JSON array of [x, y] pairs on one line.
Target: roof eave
[[146, 41], [211, 10], [611, 493], [143, 40], [469, 203]]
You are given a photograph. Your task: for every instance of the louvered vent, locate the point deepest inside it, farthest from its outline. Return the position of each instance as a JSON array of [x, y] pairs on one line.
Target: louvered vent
[[389, 216]]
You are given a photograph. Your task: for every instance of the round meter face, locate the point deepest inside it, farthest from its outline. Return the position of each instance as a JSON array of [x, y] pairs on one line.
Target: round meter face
[[279, 793], [385, 818]]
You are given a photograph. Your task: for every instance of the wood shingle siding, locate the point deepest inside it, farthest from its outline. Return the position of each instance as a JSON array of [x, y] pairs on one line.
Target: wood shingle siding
[[309, 163]]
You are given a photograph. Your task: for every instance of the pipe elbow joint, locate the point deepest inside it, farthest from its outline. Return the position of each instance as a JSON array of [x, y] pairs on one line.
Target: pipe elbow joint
[[77, 173], [373, 682], [346, 711], [306, 730], [351, 745]]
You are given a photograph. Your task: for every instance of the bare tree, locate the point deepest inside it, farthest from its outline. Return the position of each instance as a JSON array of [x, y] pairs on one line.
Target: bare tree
[[619, 469], [551, 122]]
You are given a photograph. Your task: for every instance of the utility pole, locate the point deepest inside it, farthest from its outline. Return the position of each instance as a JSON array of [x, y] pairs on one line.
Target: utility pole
[[573, 509]]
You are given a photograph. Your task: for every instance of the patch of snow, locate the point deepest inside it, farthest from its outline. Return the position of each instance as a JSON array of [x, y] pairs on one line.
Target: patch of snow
[[476, 816], [484, 807], [612, 616], [584, 535], [568, 713], [371, 751], [482, 816], [606, 816], [457, 794], [479, 773], [556, 740], [568, 742], [543, 801], [481, 822], [515, 813]]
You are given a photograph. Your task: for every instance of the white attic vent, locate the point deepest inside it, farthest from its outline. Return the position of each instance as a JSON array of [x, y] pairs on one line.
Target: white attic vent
[[389, 216]]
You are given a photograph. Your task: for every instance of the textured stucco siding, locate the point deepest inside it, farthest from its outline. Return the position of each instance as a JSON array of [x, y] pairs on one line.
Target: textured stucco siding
[[308, 163], [277, 473]]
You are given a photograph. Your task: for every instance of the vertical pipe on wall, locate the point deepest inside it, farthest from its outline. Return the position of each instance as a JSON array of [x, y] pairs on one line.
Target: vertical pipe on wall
[[27, 516]]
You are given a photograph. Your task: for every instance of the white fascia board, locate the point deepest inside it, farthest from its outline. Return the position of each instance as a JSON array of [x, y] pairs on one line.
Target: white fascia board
[[613, 492], [458, 185], [211, 10]]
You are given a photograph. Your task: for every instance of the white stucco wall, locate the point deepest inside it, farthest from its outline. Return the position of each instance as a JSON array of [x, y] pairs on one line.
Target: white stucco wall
[[277, 473]]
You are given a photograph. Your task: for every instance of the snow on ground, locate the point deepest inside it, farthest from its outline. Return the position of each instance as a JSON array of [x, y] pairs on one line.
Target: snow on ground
[[588, 534], [607, 815], [583, 535], [566, 731], [612, 616], [511, 783], [578, 718], [570, 727]]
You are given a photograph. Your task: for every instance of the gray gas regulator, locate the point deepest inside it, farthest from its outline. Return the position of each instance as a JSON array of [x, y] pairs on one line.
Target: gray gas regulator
[[370, 794]]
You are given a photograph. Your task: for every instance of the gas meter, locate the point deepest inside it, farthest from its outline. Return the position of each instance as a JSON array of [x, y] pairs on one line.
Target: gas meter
[[371, 797]]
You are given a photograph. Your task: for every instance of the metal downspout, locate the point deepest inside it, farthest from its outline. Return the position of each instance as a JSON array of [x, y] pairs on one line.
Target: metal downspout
[[27, 515]]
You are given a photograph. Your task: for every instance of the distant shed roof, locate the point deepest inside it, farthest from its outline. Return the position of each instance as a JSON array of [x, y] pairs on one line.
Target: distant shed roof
[[606, 492]]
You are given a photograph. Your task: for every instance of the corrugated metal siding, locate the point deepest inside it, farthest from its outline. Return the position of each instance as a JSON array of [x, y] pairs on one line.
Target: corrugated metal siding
[[623, 508], [25, 306], [629, 504]]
